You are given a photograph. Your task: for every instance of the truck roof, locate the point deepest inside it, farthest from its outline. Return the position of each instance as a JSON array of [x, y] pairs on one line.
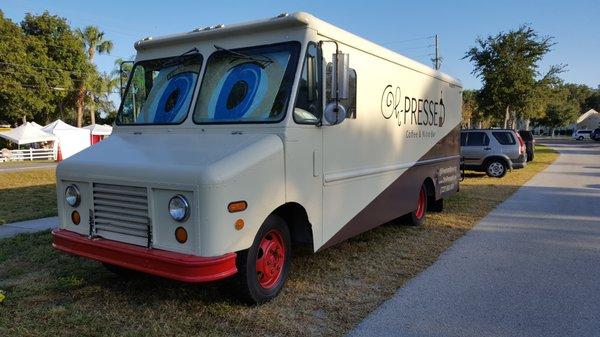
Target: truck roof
[[298, 19]]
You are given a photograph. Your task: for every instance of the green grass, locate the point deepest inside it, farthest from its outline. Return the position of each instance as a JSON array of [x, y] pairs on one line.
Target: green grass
[[25, 163], [27, 195], [328, 293]]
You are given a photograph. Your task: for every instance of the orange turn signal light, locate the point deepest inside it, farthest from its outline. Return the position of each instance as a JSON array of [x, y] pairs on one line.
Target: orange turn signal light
[[75, 217], [181, 235], [239, 224], [237, 206]]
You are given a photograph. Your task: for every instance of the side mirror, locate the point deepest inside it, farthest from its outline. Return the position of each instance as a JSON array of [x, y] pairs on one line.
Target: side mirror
[[340, 81], [334, 113]]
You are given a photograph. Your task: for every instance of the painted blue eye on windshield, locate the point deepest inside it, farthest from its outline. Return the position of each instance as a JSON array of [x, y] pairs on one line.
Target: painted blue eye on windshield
[[238, 91], [171, 102]]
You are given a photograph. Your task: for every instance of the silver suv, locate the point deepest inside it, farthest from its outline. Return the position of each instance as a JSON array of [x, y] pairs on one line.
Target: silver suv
[[492, 151]]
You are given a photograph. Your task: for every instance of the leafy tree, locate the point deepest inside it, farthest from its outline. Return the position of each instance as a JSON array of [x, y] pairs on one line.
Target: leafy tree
[[579, 93], [593, 101], [508, 65], [93, 41], [562, 109], [59, 59]]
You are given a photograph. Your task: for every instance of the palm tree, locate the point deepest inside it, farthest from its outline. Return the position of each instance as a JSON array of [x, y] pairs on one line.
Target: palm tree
[[93, 41]]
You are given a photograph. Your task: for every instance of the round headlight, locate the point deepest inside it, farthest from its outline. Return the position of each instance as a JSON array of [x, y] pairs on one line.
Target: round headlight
[[72, 196], [179, 208]]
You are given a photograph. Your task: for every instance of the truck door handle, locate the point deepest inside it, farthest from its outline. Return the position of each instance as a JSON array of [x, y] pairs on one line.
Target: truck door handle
[[487, 148]]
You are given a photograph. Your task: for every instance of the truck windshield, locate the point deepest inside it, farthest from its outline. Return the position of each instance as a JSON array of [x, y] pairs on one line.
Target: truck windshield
[[160, 91], [248, 85]]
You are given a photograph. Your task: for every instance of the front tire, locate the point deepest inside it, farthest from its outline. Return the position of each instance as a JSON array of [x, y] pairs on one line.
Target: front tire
[[580, 138], [495, 169], [264, 267]]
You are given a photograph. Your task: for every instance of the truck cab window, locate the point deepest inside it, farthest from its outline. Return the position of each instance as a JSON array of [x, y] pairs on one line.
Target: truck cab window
[[350, 102], [308, 107]]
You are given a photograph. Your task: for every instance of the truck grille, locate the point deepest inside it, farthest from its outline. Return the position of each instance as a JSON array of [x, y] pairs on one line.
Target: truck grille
[[121, 213]]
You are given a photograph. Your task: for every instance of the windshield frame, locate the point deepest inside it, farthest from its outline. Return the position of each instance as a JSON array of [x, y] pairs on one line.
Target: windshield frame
[[294, 47], [162, 60]]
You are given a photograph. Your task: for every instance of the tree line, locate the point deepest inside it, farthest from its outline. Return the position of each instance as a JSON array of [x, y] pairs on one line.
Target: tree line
[[47, 72], [515, 94]]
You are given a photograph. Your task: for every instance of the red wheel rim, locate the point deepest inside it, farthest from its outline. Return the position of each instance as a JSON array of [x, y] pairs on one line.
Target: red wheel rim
[[420, 212], [270, 259]]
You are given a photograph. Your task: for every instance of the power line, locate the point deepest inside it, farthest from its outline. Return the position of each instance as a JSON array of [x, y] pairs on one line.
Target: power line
[[416, 48], [409, 40]]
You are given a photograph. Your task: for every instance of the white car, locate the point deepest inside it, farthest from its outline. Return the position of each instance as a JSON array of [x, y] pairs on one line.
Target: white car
[[582, 134]]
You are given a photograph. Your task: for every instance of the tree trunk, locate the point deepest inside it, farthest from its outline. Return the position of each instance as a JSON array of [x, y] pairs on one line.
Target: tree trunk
[[506, 116], [80, 105], [92, 116]]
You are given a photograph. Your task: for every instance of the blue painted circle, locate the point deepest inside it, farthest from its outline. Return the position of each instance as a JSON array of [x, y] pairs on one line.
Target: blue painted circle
[[180, 86], [249, 73]]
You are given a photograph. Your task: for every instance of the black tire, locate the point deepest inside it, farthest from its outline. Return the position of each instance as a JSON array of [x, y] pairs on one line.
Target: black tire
[[496, 168], [436, 205], [417, 217], [580, 138], [250, 286], [122, 272]]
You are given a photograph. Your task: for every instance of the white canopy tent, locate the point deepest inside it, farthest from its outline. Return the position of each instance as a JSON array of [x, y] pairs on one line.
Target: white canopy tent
[[27, 134], [99, 129], [36, 125], [70, 139]]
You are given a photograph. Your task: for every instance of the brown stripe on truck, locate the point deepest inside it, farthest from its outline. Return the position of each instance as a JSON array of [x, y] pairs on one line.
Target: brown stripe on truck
[[401, 196]]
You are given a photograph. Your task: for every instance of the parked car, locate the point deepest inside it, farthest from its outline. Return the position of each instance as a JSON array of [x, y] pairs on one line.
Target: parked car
[[492, 151], [529, 143], [595, 135], [582, 134]]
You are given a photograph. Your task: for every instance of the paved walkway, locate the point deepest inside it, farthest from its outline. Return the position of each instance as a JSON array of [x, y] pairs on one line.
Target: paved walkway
[[29, 226], [530, 268]]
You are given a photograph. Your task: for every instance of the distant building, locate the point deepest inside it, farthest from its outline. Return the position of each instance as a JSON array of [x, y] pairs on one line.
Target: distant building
[[589, 120]]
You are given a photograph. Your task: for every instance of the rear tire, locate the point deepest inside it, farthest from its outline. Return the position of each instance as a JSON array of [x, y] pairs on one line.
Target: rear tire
[[437, 206], [264, 267], [580, 138], [416, 217], [496, 168]]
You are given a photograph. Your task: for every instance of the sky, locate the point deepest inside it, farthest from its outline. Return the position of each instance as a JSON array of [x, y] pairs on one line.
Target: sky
[[403, 26]]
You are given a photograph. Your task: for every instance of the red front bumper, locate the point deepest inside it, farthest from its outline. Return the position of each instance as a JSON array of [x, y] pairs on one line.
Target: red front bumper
[[176, 266]]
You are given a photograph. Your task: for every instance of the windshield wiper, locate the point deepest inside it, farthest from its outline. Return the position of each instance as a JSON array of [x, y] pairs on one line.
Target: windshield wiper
[[177, 59], [263, 61]]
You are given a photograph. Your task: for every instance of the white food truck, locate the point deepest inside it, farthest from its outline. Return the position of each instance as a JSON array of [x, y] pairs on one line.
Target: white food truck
[[233, 142]]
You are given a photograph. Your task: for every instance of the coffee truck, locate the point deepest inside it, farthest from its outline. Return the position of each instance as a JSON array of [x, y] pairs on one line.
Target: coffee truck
[[234, 142]]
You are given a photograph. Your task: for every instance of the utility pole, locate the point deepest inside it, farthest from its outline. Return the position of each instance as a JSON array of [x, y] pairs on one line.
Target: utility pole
[[437, 61]]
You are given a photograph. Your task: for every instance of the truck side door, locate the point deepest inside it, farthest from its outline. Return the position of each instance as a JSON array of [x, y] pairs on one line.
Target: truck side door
[[304, 142]]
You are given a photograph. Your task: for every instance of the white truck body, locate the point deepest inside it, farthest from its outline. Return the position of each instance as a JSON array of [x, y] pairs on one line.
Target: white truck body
[[329, 182]]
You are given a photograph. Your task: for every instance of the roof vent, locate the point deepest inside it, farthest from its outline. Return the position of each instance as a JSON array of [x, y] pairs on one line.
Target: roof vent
[[282, 15], [209, 28]]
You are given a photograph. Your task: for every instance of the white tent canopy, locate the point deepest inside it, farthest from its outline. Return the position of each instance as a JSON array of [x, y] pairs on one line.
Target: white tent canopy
[[36, 125], [70, 139], [27, 134], [99, 129]]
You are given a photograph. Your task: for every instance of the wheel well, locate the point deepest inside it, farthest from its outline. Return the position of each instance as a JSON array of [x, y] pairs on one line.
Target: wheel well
[[296, 218], [430, 189]]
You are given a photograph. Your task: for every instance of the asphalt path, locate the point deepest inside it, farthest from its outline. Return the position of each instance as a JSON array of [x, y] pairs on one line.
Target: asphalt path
[[530, 268]]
